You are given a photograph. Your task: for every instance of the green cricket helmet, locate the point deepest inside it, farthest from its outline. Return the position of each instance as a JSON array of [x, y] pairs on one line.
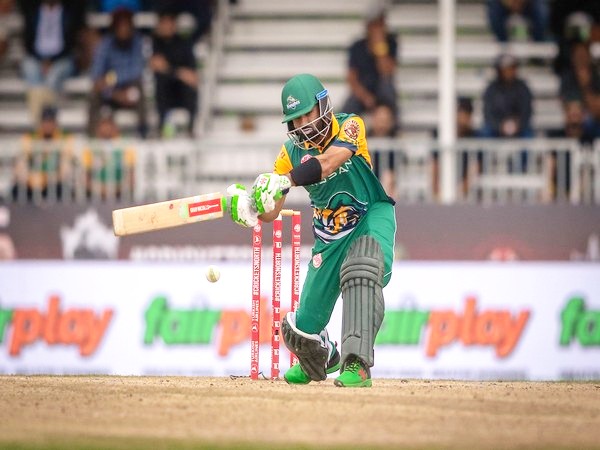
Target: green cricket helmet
[[299, 96]]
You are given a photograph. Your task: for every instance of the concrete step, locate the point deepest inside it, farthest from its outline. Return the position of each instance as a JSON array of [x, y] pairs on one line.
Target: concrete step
[[404, 16], [413, 49], [277, 66], [415, 114], [308, 8], [265, 97], [426, 16], [298, 33]]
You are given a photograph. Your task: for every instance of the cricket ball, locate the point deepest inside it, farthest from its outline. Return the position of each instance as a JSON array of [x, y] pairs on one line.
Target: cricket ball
[[213, 274]]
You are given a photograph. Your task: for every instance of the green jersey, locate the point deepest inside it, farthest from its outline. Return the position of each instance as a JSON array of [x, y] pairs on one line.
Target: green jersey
[[342, 199]]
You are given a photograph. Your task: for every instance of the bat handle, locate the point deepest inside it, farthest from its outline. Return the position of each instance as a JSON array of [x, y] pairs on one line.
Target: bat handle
[[228, 198]]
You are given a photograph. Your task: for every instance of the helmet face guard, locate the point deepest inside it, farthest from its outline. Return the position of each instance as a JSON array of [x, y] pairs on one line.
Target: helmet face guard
[[314, 133]]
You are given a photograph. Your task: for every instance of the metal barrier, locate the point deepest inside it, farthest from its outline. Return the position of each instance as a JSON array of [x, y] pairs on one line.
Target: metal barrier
[[491, 170], [80, 170], [521, 170], [131, 171]]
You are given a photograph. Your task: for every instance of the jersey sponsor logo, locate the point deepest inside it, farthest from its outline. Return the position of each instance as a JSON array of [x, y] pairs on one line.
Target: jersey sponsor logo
[[317, 260], [205, 207], [339, 217], [292, 102], [305, 158], [352, 129]]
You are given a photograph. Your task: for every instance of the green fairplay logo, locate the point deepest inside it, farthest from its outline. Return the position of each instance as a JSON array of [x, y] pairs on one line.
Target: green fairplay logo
[[178, 326], [579, 324], [500, 329], [226, 328]]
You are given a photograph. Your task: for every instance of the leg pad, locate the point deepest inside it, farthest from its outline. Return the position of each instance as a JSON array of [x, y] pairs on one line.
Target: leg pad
[[361, 279], [310, 349]]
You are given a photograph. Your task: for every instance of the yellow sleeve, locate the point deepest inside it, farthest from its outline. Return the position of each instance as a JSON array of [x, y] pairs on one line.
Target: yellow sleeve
[[353, 136], [283, 163]]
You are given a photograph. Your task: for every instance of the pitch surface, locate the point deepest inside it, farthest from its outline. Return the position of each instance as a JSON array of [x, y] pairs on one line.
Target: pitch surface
[[190, 412]]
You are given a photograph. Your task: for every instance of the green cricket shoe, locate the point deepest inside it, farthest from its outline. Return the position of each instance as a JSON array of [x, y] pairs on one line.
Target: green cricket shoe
[[295, 374], [355, 373]]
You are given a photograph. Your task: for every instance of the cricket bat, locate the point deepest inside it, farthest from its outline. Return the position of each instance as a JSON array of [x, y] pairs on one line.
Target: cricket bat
[[168, 214]]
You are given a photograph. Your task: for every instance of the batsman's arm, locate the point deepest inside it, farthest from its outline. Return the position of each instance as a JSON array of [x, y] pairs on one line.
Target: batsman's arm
[[332, 159], [319, 167], [310, 172]]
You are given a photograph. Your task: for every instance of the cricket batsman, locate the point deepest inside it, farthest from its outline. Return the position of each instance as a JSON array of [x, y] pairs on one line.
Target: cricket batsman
[[354, 227]]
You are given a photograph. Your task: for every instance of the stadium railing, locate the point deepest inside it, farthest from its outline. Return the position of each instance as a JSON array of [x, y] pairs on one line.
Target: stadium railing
[[136, 171]]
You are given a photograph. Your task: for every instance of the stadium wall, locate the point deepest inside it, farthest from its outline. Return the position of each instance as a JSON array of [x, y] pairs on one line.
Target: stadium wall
[[480, 321], [560, 232]]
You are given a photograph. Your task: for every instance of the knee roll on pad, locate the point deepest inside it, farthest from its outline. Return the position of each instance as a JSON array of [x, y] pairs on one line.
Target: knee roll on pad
[[361, 280], [311, 351]]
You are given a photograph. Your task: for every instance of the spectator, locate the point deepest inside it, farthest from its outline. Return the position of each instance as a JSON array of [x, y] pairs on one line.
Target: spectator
[[507, 102], [383, 125], [383, 122], [87, 40], [577, 124], [50, 30], [117, 72], [202, 12], [572, 21], [175, 75], [518, 19], [108, 162], [464, 119], [107, 128], [465, 129], [372, 65], [43, 168], [6, 7], [581, 81]]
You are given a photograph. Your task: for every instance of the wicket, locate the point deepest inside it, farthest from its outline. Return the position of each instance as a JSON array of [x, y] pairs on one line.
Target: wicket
[[276, 295]]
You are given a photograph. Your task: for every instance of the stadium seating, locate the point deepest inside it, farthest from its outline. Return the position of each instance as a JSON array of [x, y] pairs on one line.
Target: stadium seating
[[266, 41], [256, 45], [14, 116]]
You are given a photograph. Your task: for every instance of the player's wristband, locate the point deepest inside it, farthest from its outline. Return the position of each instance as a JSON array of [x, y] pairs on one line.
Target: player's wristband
[[309, 172]]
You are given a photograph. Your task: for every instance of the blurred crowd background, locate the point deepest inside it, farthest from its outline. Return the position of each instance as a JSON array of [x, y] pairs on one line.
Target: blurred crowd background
[[92, 92]]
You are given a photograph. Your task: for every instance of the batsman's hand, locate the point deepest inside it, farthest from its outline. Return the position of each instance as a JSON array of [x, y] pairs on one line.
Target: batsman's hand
[[267, 189], [241, 206]]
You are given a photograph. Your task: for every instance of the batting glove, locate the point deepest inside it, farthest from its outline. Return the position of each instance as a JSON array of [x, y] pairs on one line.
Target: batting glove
[[267, 189], [241, 206]]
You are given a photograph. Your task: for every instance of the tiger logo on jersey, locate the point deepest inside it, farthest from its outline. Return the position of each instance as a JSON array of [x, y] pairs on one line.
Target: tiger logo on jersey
[[352, 129], [339, 217]]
